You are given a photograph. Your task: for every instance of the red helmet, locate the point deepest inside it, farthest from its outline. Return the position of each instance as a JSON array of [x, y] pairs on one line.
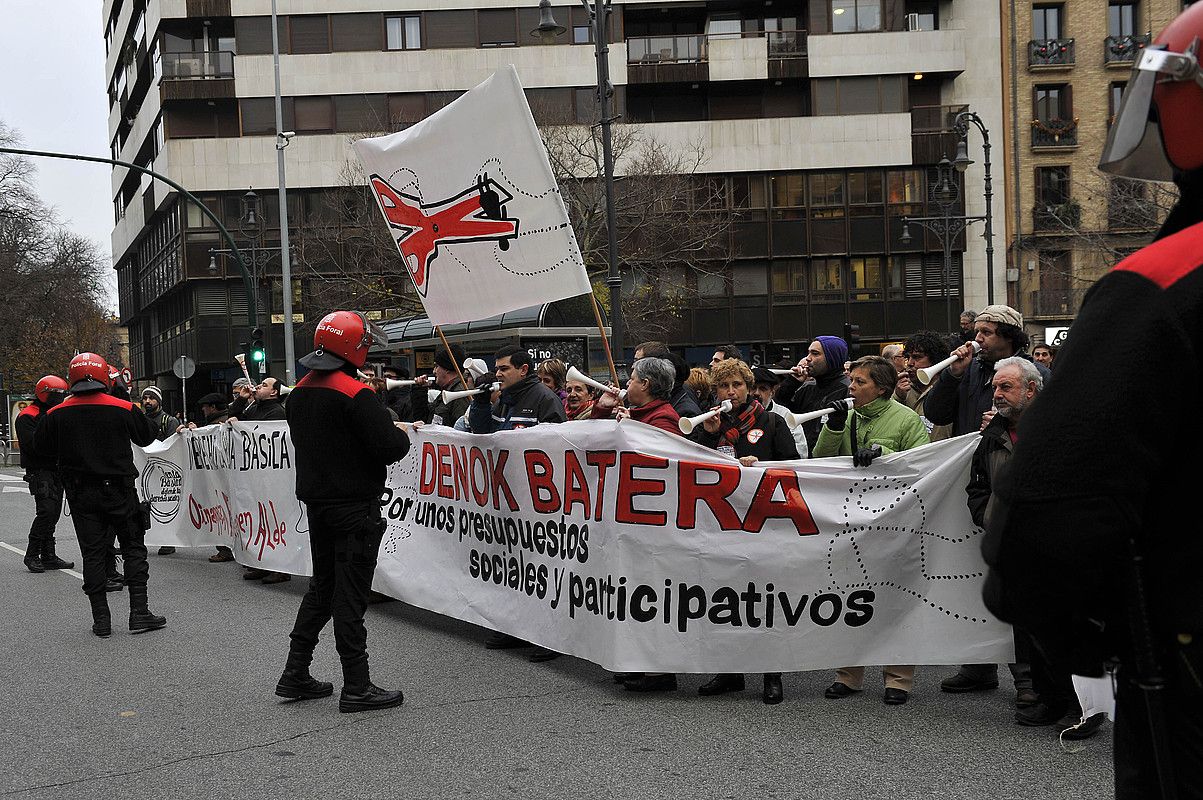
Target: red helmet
[[343, 337], [1156, 129], [49, 385], [88, 372]]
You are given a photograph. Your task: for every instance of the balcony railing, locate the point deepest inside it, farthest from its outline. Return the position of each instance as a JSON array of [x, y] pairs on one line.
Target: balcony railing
[[1059, 217], [1054, 133], [786, 44], [932, 136], [1051, 53], [1124, 49], [689, 49], [198, 66]]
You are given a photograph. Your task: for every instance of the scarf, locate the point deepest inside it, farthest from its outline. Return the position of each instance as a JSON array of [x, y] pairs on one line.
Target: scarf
[[738, 423]]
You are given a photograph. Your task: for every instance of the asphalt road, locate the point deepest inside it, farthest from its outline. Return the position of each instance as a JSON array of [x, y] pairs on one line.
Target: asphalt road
[[189, 712]]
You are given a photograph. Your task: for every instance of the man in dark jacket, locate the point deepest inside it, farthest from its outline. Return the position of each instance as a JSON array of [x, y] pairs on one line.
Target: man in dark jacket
[[1095, 547], [963, 392], [344, 440], [89, 437], [816, 382], [163, 424], [399, 400], [445, 378], [524, 401], [42, 475], [267, 405]]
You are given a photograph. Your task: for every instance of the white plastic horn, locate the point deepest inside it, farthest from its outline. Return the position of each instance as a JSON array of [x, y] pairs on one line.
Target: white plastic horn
[[448, 397], [241, 359], [575, 374], [781, 371], [687, 424], [394, 383], [284, 390], [791, 419], [928, 374], [433, 395], [801, 419]]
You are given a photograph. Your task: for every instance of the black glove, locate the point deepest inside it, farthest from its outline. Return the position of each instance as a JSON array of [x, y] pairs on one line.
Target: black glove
[[485, 382], [865, 455], [838, 416]]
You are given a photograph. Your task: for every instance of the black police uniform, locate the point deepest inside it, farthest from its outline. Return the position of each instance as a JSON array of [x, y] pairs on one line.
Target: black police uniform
[[47, 491], [89, 436], [343, 438], [1100, 475]]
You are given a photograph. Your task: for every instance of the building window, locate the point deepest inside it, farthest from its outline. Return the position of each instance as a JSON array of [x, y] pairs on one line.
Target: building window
[[885, 94], [1121, 19], [789, 276], [850, 16], [403, 33], [828, 280], [361, 113], [1053, 102], [451, 29], [1046, 22], [354, 32], [310, 34], [1115, 95], [928, 13], [313, 115], [497, 28]]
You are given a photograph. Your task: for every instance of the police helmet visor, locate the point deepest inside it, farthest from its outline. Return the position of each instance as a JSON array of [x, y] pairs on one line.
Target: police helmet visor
[[1134, 147]]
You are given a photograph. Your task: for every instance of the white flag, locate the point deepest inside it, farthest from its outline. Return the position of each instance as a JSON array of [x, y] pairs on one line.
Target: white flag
[[470, 199]]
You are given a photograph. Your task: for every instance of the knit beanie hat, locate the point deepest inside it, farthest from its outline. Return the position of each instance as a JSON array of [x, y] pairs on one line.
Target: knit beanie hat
[[154, 391], [448, 359], [835, 350]]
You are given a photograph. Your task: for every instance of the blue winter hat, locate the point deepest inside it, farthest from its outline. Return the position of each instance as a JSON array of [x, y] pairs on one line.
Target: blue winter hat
[[835, 350]]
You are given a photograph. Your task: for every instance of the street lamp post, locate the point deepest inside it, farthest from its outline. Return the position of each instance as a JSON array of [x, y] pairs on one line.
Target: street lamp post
[[962, 161], [946, 227], [548, 29]]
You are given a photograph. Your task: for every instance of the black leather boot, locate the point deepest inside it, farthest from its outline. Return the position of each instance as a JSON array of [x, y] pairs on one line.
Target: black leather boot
[[297, 684], [773, 694], [140, 618], [33, 563], [368, 698], [722, 684], [50, 559], [102, 623]]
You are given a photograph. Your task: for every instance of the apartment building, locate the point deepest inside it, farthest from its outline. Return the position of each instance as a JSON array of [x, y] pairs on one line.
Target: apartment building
[[1069, 223], [821, 122]]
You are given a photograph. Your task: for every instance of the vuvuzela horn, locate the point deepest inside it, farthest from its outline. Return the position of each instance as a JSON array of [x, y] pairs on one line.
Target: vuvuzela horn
[[781, 371], [928, 374], [241, 359], [687, 424], [450, 396], [575, 374], [800, 419], [284, 390], [433, 395], [395, 383]]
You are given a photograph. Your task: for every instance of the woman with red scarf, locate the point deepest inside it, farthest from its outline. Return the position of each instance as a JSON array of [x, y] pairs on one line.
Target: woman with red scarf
[[750, 433]]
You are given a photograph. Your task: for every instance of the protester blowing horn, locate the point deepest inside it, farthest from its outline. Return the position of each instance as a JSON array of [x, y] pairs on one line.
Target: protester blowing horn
[[448, 397], [687, 424], [802, 419], [575, 374], [928, 374]]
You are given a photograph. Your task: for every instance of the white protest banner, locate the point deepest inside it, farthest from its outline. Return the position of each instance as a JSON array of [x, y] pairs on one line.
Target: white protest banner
[[471, 201], [231, 485], [640, 550]]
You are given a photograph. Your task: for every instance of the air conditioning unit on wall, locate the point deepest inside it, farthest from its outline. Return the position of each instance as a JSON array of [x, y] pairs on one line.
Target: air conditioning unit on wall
[[912, 22]]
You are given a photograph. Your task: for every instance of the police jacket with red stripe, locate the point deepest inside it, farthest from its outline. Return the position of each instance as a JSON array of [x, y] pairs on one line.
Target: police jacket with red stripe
[[89, 435], [1105, 457], [343, 438], [26, 426]]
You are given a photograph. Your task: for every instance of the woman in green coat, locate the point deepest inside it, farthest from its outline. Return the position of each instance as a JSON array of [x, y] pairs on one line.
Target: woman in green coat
[[877, 425]]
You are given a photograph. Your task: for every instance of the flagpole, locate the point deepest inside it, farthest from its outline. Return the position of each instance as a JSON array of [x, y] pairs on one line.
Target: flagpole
[[439, 331], [605, 341]]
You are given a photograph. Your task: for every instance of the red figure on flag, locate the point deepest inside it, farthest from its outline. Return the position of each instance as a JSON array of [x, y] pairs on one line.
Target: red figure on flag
[[476, 214]]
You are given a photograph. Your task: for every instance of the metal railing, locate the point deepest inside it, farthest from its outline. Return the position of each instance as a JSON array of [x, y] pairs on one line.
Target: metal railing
[[786, 44], [198, 66], [1050, 52], [1057, 217], [1056, 302], [1054, 133], [688, 49], [1124, 49]]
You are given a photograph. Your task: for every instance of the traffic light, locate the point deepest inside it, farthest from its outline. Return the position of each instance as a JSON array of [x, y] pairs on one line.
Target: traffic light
[[851, 335], [258, 352]]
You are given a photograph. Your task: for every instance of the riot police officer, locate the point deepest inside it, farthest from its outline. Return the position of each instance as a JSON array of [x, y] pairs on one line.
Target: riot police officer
[[40, 473], [343, 438], [88, 436]]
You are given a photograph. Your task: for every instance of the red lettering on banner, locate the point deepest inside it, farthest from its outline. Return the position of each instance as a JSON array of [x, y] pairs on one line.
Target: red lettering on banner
[[445, 488], [459, 465], [576, 488], [603, 460], [480, 491], [500, 485], [630, 487], [794, 506], [430, 468], [540, 477], [714, 495]]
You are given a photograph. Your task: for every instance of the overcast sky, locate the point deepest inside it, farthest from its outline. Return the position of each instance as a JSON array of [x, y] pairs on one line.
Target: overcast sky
[[52, 92]]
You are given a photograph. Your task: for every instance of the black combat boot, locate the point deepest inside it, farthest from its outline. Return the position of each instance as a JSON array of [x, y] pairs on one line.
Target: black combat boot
[[102, 624], [297, 684], [32, 562], [50, 559], [140, 618], [360, 694]]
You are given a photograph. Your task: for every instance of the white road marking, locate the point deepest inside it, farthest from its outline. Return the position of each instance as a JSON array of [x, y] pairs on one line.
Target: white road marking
[[15, 489], [21, 553], [4, 477]]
